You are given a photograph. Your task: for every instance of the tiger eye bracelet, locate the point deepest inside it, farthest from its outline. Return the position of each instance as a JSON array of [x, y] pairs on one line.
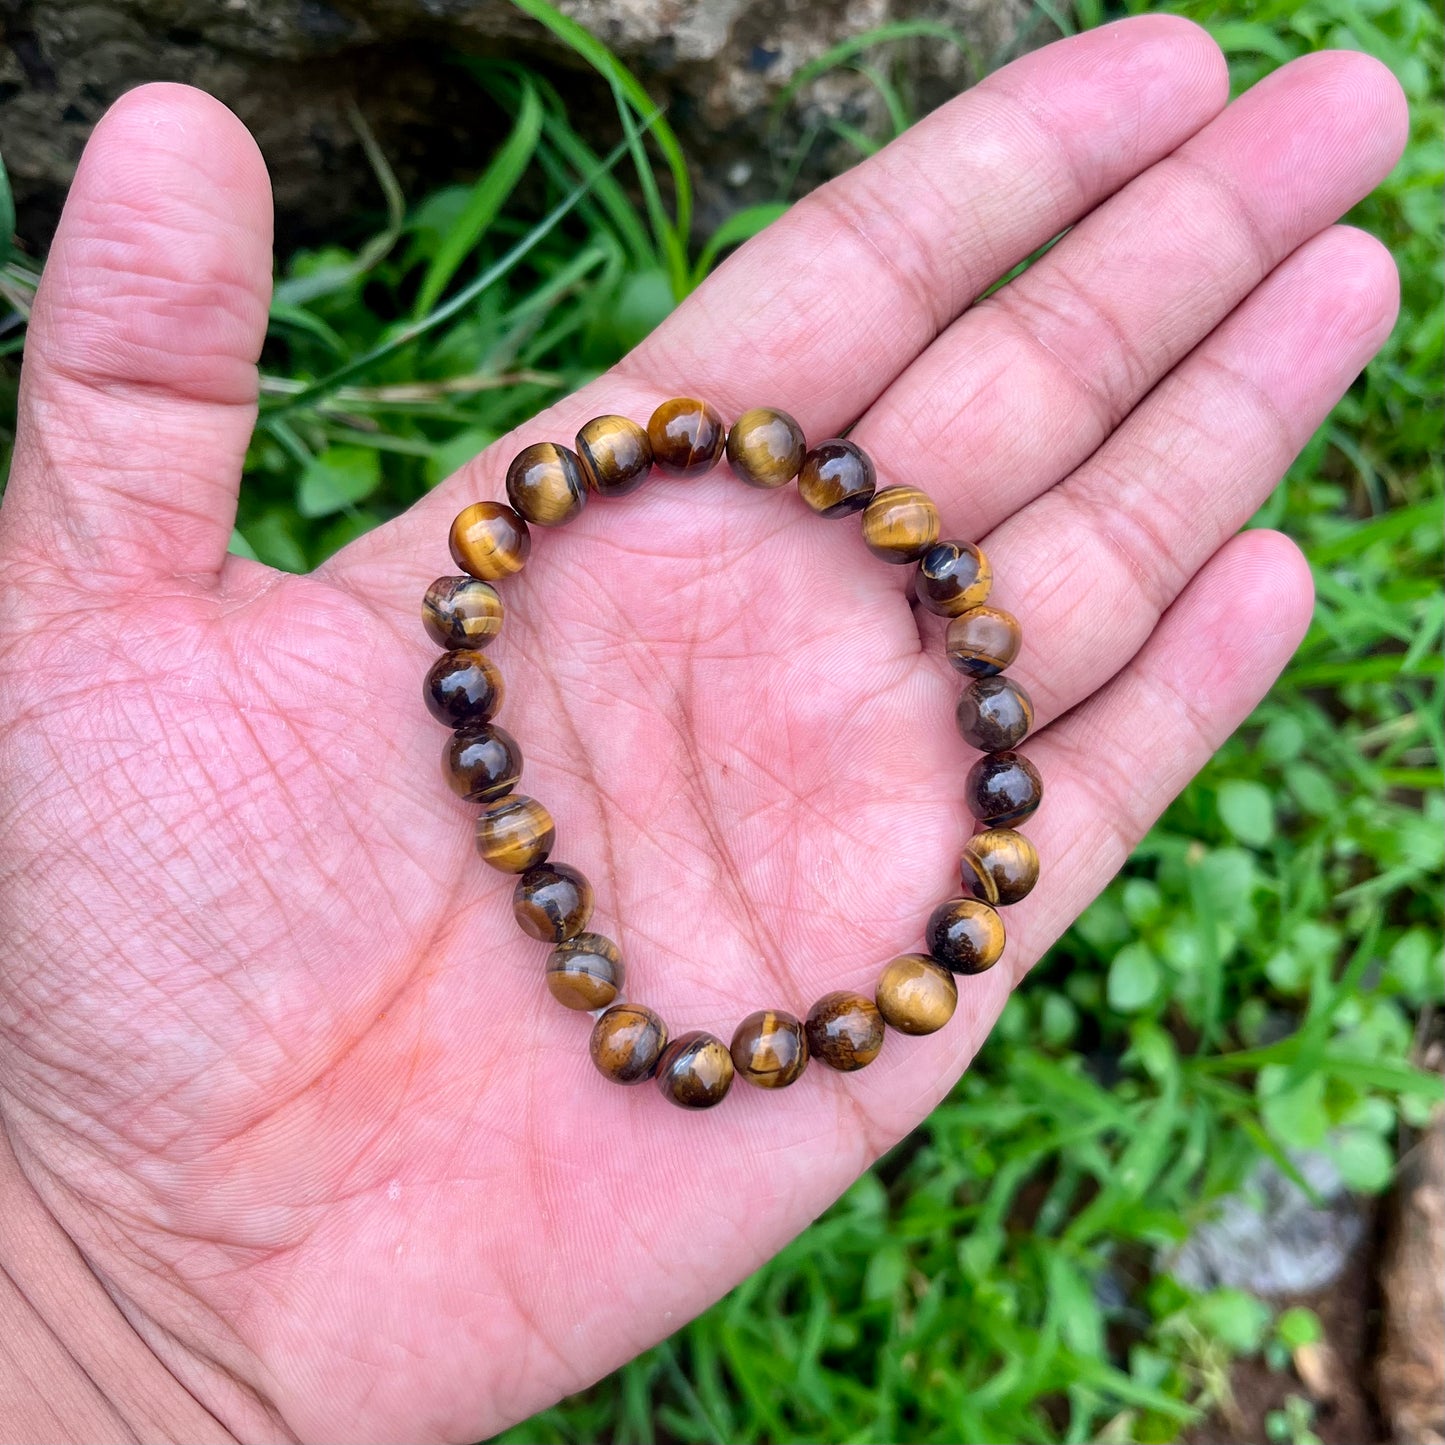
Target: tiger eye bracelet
[[547, 485]]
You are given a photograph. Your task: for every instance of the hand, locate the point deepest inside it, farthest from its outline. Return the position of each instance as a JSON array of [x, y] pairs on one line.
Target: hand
[[275, 1054]]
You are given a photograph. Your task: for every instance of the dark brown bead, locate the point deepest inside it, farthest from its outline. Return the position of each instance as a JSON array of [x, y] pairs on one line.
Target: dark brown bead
[[552, 901], [915, 995], [586, 972], [770, 1049], [687, 437], [461, 612], [994, 714], [1003, 788], [837, 478], [695, 1071], [616, 455], [965, 935], [999, 866], [627, 1042], [515, 833], [545, 484], [900, 524], [481, 761], [766, 447], [463, 687], [983, 640], [845, 1031], [489, 540], [953, 577]]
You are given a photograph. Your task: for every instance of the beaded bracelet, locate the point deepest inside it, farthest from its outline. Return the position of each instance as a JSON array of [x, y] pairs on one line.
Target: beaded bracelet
[[547, 485]]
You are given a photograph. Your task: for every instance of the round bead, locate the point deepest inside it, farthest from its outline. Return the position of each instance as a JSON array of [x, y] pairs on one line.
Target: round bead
[[965, 935], [915, 995], [615, 453], [552, 901], [489, 540], [461, 612], [687, 437], [836, 478], [695, 1071], [463, 687], [953, 577], [900, 524], [983, 640], [844, 1030], [770, 1049], [766, 447], [515, 833], [627, 1042], [545, 484], [1003, 788], [586, 972], [999, 866], [994, 714], [481, 762]]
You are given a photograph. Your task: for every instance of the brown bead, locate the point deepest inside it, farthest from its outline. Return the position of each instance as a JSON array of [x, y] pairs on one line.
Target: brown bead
[[953, 577], [900, 524], [837, 478], [552, 901], [461, 612], [983, 640], [994, 714], [695, 1071], [915, 995], [546, 485], [999, 866], [687, 437], [515, 833], [627, 1042], [616, 455], [770, 1049], [586, 972], [463, 687], [489, 540], [965, 935], [1003, 788], [481, 761], [766, 447], [844, 1030]]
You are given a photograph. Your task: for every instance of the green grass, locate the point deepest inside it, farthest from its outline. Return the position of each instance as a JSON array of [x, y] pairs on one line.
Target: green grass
[[1253, 981]]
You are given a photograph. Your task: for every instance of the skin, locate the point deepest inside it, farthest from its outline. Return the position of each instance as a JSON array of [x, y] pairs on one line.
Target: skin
[[276, 1060]]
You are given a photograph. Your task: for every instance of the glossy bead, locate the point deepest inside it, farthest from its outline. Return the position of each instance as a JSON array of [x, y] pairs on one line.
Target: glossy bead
[[765, 447], [687, 437], [461, 612], [695, 1071], [616, 455], [965, 935], [546, 485], [953, 577], [1003, 788], [481, 762], [515, 833], [900, 524], [552, 901], [915, 995], [999, 866], [982, 641], [837, 478], [463, 687], [844, 1031], [586, 972], [770, 1049], [489, 540], [994, 714], [627, 1042]]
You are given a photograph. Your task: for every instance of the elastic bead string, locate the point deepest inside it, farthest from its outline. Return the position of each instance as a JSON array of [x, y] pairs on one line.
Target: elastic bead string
[[547, 485]]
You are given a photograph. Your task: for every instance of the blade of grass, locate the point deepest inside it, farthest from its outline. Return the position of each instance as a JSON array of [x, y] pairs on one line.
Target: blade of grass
[[7, 215], [741, 226]]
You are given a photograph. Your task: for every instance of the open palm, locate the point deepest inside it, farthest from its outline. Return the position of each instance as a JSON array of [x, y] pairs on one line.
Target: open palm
[[275, 1053]]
